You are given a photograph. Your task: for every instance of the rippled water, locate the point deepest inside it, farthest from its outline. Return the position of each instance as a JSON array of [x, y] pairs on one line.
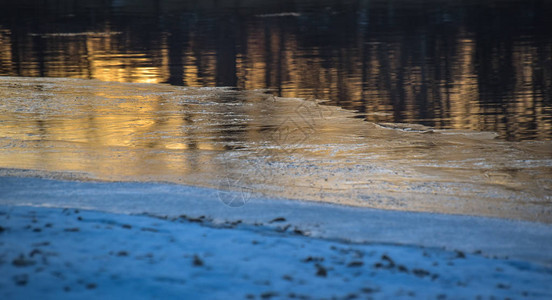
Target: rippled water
[[256, 143], [478, 65]]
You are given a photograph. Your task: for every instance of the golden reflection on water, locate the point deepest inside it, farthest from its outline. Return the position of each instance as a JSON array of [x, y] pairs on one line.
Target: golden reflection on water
[[454, 80], [281, 147]]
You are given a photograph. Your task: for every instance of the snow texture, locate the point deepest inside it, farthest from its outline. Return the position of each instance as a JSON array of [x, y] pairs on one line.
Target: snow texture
[[53, 253]]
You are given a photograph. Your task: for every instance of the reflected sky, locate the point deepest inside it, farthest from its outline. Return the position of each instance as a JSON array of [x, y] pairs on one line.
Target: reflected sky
[[478, 65]]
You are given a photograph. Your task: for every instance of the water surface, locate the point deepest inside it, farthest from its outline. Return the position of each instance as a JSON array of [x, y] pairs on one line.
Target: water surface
[[478, 65]]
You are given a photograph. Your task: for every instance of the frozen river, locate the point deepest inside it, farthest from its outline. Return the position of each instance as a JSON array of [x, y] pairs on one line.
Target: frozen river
[[258, 144]]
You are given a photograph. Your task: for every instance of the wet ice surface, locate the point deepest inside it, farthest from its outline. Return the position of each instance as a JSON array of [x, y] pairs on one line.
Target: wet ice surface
[[53, 253], [256, 144]]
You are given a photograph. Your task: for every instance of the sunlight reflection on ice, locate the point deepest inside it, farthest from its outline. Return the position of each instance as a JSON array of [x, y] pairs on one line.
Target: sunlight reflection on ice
[[283, 147]]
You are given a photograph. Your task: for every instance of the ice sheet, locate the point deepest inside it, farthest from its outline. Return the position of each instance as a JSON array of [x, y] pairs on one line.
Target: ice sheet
[[258, 144]]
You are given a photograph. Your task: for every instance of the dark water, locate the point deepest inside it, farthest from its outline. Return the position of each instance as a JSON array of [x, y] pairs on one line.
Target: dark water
[[481, 65]]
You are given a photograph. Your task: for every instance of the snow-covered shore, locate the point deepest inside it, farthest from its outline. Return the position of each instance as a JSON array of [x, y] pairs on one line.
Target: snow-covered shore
[[53, 253], [72, 239]]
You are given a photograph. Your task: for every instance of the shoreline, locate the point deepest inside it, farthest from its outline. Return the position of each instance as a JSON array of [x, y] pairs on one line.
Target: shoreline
[[67, 176], [521, 240]]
